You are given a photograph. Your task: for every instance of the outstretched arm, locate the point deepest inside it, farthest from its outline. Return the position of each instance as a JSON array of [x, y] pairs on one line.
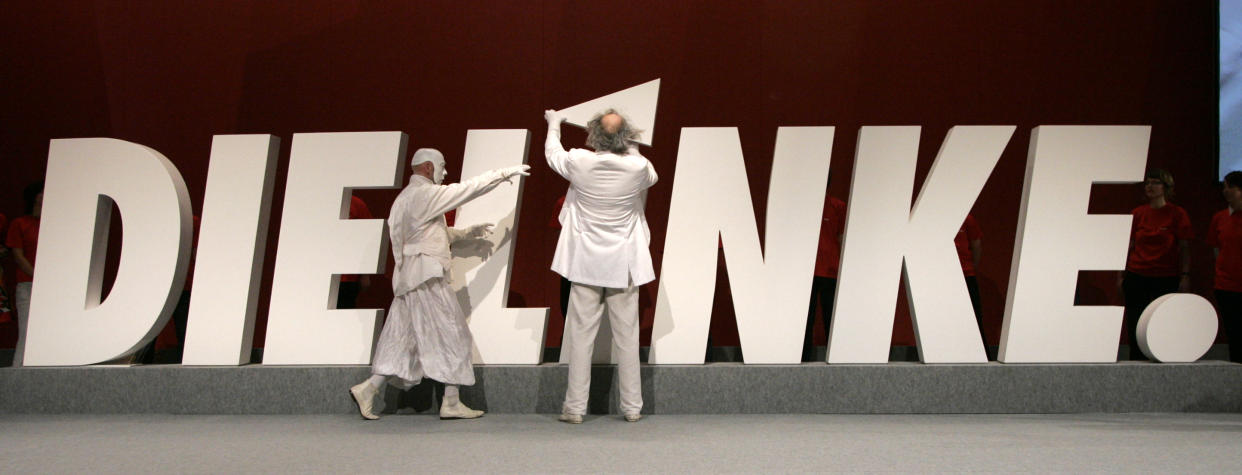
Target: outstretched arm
[[447, 197]]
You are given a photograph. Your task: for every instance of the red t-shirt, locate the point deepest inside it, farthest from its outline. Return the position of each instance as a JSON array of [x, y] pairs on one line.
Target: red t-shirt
[[1155, 235], [5, 316], [4, 221], [969, 232], [828, 259], [24, 235], [555, 223], [1225, 234], [357, 210]]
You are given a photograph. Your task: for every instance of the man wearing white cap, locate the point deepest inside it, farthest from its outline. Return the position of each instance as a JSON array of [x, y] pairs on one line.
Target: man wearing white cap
[[603, 251], [425, 334]]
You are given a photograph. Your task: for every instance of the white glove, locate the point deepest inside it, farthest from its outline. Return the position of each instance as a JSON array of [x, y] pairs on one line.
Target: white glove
[[554, 118], [510, 172], [479, 231]]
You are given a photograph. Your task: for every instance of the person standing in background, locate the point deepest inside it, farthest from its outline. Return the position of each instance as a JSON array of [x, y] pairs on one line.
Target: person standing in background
[[827, 263], [1225, 237], [6, 305], [969, 243], [22, 240], [1159, 261], [353, 284]]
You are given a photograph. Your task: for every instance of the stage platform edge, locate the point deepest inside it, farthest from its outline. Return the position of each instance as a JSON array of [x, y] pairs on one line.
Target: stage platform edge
[[714, 388]]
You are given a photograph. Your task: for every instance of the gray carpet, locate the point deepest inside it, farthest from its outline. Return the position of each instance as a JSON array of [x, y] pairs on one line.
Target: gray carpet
[[717, 388], [661, 443]]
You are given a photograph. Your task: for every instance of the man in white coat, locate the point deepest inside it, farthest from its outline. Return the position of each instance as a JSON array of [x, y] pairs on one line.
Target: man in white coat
[[425, 334], [603, 251]]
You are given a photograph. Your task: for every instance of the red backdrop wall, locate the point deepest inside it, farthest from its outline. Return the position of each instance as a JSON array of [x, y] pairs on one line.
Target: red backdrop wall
[[169, 75]]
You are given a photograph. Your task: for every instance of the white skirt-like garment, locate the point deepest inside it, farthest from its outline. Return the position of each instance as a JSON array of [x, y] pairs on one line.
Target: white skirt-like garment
[[425, 335]]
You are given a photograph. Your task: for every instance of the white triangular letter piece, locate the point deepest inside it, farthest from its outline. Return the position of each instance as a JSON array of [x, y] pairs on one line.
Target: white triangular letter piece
[[637, 103]]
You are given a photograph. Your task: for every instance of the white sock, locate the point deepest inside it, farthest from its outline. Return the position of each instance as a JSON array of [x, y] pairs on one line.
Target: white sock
[[377, 381], [451, 396]]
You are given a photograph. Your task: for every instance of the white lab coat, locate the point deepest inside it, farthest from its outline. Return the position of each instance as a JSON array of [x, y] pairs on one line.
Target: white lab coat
[[604, 237]]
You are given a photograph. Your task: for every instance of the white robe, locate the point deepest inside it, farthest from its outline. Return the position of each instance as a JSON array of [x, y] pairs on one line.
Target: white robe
[[425, 333], [604, 237]]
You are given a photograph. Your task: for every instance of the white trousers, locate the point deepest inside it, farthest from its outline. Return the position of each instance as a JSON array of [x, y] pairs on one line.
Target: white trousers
[[22, 302], [586, 307], [425, 335]]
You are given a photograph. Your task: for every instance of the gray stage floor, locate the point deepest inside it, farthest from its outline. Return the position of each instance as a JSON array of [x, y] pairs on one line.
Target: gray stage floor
[[662, 443]]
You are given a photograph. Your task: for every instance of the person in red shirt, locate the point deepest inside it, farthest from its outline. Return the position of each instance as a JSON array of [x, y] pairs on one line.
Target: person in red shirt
[[969, 243], [22, 240], [1225, 237], [352, 284], [6, 309], [827, 263], [1159, 261]]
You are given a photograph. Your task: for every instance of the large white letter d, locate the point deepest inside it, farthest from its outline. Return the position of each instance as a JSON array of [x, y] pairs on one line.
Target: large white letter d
[[69, 322]]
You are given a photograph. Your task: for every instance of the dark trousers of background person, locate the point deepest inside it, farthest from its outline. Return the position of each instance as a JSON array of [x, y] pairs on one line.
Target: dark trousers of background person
[[180, 314], [565, 285], [347, 294], [1229, 304], [1139, 291], [972, 287], [823, 291]]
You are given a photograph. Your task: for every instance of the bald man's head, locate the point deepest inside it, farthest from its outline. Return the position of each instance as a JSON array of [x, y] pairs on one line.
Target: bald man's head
[[610, 132], [611, 122]]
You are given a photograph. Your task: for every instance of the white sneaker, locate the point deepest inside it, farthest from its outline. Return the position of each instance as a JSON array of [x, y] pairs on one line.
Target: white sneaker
[[458, 411], [364, 395], [571, 418], [633, 417]]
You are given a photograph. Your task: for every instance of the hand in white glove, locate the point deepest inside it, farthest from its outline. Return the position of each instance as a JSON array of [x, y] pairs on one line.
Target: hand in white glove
[[478, 231], [554, 118], [518, 170]]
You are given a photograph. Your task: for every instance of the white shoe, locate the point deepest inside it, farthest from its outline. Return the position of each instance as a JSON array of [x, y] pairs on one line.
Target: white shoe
[[571, 418], [458, 411], [364, 395], [633, 417]]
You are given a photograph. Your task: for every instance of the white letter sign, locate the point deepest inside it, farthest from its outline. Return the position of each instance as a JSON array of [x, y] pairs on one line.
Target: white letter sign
[[481, 269], [231, 243], [887, 238], [1056, 238], [771, 284], [317, 244], [69, 324]]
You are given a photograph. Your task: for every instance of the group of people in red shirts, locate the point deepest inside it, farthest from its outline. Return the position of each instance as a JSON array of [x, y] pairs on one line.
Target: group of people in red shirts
[[1159, 259], [1158, 262]]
